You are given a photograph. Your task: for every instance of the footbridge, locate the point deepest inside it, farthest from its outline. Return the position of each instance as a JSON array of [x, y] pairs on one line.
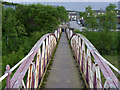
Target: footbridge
[[76, 64]]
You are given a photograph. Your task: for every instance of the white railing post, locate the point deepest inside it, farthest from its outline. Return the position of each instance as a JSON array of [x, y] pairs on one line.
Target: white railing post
[[90, 74], [8, 77], [46, 50], [98, 76], [42, 61], [23, 84], [77, 48], [80, 51], [106, 85], [37, 67], [71, 33], [83, 57], [29, 82], [56, 33]]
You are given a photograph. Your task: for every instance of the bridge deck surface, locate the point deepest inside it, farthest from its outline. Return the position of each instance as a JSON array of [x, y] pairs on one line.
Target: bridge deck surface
[[63, 73]]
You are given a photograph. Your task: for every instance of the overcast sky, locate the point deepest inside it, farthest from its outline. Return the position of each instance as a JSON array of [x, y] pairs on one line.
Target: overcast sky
[[62, 0]]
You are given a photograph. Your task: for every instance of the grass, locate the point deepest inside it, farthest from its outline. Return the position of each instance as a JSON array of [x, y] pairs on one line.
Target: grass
[[113, 59]]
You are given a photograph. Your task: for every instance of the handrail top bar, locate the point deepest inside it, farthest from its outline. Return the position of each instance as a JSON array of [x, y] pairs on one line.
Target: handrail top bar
[[103, 64], [14, 67], [40, 41], [4, 76], [112, 66], [96, 51]]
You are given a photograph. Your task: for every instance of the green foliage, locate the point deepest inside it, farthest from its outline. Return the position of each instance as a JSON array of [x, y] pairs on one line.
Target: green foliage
[[111, 17], [62, 13], [23, 26], [111, 7], [108, 20], [76, 31], [104, 22], [25, 20], [13, 31], [81, 14], [90, 19], [107, 43]]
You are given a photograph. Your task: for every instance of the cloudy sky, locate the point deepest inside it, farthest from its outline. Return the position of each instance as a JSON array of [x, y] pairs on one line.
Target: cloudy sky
[[62, 0]]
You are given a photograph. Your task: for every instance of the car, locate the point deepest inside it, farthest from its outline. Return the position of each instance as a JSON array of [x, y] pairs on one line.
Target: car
[[118, 27], [99, 30]]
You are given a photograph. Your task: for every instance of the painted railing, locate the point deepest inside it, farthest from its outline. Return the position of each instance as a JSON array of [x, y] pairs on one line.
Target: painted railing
[[31, 69], [95, 69]]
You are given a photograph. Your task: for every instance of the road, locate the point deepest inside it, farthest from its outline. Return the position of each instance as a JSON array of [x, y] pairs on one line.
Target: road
[[73, 24]]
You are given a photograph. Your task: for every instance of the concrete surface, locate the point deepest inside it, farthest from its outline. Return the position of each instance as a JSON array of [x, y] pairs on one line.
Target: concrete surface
[[64, 73]]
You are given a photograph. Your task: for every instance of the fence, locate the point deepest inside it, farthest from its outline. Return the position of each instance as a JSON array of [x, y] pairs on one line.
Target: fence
[[30, 70], [95, 69]]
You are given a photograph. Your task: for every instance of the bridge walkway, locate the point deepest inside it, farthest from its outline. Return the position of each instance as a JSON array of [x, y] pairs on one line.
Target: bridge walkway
[[64, 73]]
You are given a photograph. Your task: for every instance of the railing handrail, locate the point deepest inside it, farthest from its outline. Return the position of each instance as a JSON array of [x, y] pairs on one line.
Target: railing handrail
[[40, 41], [83, 50], [112, 66], [35, 62], [35, 47], [14, 67], [97, 53], [4, 76]]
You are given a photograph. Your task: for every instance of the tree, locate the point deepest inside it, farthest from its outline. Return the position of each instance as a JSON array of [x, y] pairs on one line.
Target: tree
[[108, 20], [62, 13], [111, 18], [90, 19], [81, 14], [23, 26], [25, 20], [111, 7], [13, 31]]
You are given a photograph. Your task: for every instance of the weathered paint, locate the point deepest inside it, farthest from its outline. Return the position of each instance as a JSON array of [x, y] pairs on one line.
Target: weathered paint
[[93, 75], [34, 66]]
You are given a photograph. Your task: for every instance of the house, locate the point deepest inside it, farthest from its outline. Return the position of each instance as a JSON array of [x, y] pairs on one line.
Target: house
[[9, 5], [119, 5], [73, 15], [118, 15], [97, 12]]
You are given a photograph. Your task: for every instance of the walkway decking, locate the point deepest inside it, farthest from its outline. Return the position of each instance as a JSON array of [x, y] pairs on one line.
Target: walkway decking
[[63, 73]]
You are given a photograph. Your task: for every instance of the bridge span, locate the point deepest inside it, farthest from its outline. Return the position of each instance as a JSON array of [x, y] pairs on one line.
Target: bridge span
[[64, 73], [95, 71]]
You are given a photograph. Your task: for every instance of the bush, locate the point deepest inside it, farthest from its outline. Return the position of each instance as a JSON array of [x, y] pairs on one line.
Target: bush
[[105, 42], [26, 25]]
